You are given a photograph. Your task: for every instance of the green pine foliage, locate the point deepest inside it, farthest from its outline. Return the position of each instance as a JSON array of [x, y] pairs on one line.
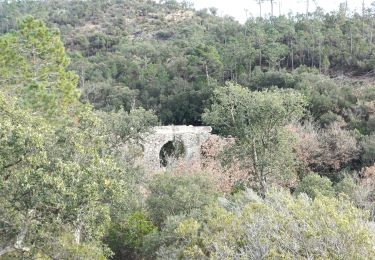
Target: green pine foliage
[[33, 67]]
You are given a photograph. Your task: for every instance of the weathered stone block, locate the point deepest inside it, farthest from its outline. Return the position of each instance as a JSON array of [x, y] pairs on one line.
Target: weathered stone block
[[192, 137]]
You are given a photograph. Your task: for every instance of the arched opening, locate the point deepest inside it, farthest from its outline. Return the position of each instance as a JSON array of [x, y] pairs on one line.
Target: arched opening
[[171, 152]]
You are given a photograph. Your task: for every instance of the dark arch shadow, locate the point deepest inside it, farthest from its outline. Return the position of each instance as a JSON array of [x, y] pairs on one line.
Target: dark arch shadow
[[170, 152]]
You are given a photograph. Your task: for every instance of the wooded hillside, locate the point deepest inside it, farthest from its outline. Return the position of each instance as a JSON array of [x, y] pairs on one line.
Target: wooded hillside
[[169, 57], [289, 173]]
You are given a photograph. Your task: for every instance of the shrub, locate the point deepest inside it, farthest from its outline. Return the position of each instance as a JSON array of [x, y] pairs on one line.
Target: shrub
[[368, 155], [175, 195], [277, 227], [126, 238], [348, 187], [326, 151], [313, 184]]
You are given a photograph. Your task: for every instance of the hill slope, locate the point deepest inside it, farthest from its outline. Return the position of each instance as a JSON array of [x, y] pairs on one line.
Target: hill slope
[[169, 57]]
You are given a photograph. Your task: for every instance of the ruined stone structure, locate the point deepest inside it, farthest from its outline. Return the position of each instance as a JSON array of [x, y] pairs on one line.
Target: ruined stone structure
[[190, 138]]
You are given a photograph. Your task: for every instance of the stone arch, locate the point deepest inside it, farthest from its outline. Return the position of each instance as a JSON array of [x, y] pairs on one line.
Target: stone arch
[[171, 151], [190, 136]]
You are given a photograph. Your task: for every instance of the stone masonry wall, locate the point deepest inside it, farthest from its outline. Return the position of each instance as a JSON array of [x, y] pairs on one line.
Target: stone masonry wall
[[191, 137]]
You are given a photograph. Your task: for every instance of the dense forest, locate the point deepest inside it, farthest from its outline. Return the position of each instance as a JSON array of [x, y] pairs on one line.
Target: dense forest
[[289, 175]]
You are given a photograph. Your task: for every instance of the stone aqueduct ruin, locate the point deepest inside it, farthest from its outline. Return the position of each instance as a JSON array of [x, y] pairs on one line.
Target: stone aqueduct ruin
[[163, 140]]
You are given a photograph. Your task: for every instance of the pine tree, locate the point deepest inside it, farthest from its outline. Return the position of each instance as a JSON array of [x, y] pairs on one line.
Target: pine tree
[[33, 65]]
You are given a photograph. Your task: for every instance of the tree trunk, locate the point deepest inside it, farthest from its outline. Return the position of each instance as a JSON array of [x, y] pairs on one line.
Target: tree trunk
[[18, 244], [363, 18], [78, 231], [250, 69], [259, 172], [307, 7], [207, 75], [263, 186], [351, 42], [292, 55], [371, 33], [320, 57]]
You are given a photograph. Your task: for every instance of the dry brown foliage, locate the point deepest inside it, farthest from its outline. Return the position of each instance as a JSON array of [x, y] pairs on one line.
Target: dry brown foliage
[[224, 177], [368, 173], [325, 150], [365, 193]]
